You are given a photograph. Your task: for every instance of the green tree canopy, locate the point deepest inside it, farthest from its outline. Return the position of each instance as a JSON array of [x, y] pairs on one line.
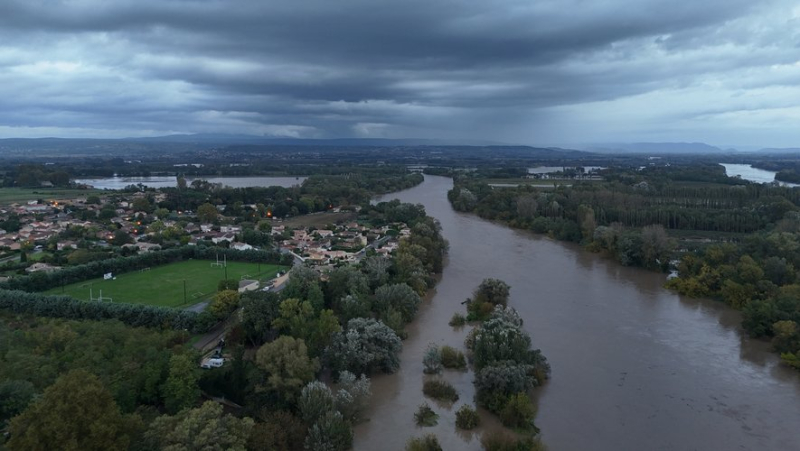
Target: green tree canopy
[[205, 428], [180, 390], [207, 213], [286, 365], [75, 413], [224, 303]]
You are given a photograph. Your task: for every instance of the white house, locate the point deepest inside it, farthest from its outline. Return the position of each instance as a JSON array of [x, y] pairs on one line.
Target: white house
[[241, 246]]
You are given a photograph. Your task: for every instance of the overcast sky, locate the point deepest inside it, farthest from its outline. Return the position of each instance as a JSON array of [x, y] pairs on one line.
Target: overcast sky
[[540, 72]]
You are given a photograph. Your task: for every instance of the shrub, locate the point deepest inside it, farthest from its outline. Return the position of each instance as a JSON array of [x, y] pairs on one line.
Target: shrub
[[228, 284], [479, 311], [440, 390], [518, 412], [316, 400], [494, 291], [280, 430], [467, 417], [432, 360], [353, 395], [495, 383], [504, 441], [330, 432], [490, 293], [453, 358], [469, 341], [458, 320], [425, 416], [400, 297], [425, 443]]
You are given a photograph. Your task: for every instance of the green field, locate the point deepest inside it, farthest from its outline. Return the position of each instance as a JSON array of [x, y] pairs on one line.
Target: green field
[[18, 195], [163, 285]]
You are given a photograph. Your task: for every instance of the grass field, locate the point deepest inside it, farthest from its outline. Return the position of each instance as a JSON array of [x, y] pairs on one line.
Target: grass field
[[12, 195], [317, 220], [163, 285]]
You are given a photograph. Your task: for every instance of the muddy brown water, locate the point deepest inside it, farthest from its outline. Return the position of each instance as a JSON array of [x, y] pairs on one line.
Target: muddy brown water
[[635, 366]]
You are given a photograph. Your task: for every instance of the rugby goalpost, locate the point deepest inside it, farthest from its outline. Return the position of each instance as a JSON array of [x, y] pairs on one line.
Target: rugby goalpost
[[220, 264], [99, 298]]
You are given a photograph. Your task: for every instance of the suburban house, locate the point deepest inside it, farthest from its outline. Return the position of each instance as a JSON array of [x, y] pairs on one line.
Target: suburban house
[[241, 246], [43, 267]]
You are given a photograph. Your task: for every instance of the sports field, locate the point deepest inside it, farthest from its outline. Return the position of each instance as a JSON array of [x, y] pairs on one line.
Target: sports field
[[163, 285]]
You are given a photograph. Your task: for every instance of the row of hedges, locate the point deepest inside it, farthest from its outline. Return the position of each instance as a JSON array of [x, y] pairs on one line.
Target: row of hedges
[[131, 314], [43, 281]]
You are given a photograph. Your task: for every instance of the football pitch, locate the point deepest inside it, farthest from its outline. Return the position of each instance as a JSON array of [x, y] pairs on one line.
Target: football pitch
[[164, 285]]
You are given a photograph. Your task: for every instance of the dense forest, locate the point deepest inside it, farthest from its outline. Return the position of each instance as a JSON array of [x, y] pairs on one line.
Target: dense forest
[[348, 325]]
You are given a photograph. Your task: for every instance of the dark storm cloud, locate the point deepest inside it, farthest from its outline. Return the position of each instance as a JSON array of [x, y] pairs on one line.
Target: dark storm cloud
[[503, 70]]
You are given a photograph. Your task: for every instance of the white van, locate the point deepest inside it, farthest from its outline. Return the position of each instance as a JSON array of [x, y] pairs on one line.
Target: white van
[[212, 363]]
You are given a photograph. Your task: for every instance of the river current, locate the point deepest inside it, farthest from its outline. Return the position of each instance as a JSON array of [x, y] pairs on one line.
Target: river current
[[634, 366]]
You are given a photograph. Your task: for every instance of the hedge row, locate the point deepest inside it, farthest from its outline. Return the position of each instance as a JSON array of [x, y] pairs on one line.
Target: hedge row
[[131, 314]]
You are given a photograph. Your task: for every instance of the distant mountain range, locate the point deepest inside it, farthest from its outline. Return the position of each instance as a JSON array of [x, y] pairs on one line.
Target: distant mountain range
[[659, 148], [61, 147], [210, 138], [682, 148]]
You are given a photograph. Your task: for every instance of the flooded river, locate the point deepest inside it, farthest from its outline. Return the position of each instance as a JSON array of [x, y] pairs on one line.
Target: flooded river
[[635, 367], [748, 172]]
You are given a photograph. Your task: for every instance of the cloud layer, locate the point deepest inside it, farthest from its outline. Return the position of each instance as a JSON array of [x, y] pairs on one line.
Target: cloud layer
[[545, 72]]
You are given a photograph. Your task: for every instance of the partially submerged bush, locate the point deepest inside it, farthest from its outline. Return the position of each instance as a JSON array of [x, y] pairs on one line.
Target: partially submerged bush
[[458, 320], [432, 360], [440, 390], [425, 416], [504, 441], [427, 442], [467, 417], [518, 412], [453, 358]]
